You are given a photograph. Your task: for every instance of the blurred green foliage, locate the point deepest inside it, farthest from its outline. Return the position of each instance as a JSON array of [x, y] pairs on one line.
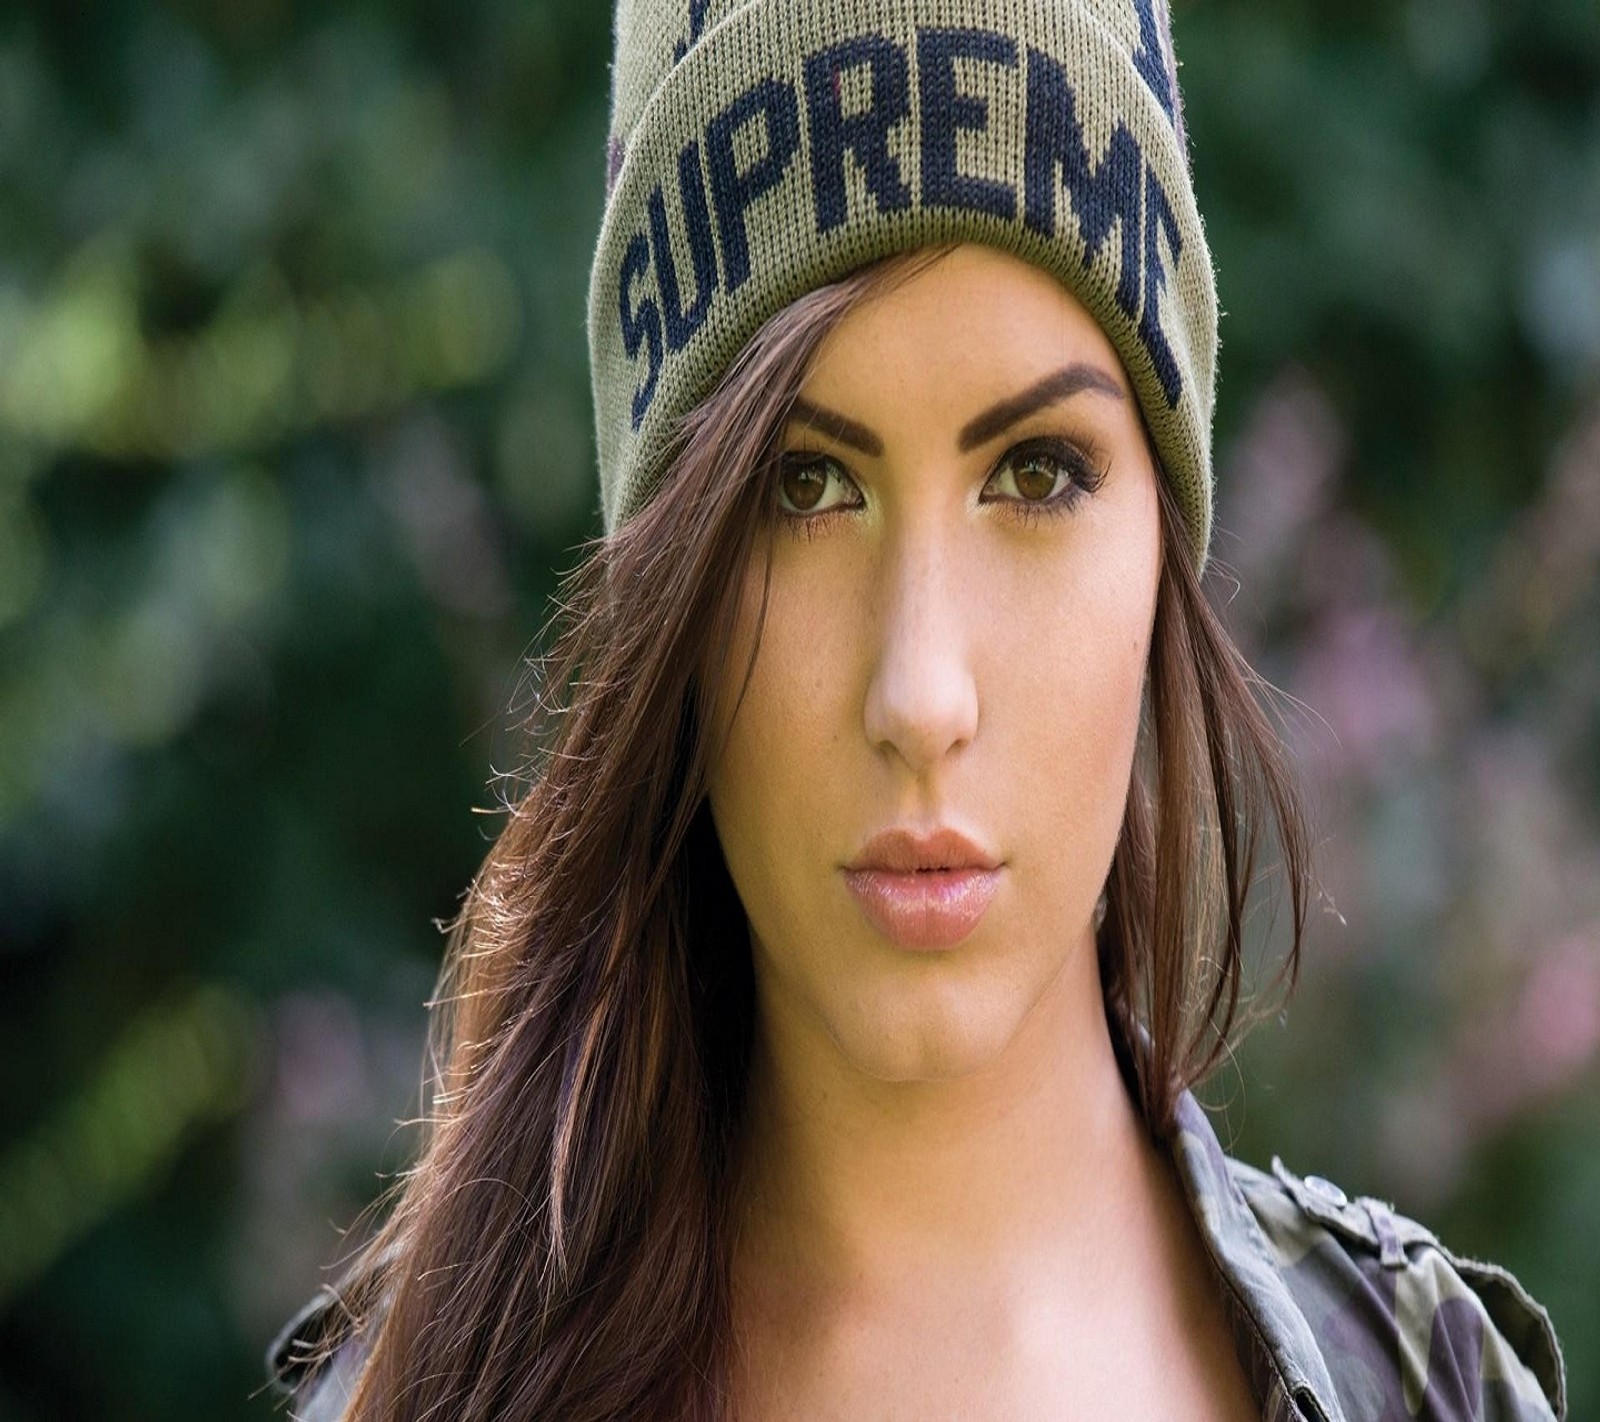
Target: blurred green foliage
[[295, 438]]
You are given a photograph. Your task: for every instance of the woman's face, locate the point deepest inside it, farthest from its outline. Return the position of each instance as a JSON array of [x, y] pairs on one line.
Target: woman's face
[[955, 638]]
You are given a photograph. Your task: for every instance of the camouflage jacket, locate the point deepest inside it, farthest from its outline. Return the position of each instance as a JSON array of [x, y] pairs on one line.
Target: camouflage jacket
[[1346, 1311], [1341, 1309]]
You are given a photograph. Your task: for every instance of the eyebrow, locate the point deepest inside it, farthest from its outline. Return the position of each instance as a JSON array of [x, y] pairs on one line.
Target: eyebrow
[[1068, 381]]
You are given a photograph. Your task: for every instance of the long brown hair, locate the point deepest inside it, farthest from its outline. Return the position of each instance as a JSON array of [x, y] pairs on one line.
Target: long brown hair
[[560, 1249]]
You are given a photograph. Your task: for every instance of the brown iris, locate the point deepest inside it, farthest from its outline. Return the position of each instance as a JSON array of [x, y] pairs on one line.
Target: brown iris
[[804, 484], [1036, 476]]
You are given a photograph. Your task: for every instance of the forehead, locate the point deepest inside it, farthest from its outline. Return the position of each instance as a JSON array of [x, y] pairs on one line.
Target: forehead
[[975, 319]]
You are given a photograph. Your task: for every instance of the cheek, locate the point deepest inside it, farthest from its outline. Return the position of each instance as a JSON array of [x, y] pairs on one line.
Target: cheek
[[752, 690], [766, 783], [1068, 726], [1072, 719]]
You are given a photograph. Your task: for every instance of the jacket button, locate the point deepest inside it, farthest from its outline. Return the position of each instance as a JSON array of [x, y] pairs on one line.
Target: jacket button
[[1327, 1191]]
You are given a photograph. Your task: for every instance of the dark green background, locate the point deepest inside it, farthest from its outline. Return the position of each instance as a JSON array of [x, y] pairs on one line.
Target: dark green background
[[295, 438]]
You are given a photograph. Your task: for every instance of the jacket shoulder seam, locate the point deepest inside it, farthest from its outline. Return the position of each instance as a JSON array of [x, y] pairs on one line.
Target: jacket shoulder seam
[[1400, 1241]]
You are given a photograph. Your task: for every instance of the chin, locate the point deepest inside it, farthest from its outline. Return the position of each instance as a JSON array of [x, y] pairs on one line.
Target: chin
[[943, 1034]]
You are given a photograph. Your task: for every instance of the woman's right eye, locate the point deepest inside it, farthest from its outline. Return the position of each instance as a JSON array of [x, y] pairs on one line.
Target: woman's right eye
[[803, 480]]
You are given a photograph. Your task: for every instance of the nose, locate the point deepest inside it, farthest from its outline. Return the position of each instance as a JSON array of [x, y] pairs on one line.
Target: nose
[[922, 699]]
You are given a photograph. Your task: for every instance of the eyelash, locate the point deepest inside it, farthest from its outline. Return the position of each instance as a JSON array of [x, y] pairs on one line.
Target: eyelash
[[1083, 478]]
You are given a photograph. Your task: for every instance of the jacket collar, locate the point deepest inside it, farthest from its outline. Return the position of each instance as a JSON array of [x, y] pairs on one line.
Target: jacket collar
[[1286, 1363], [1288, 1366]]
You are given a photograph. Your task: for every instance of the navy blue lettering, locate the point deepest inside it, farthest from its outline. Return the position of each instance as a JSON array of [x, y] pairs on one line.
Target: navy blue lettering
[[1054, 143], [1150, 59], [774, 102], [1159, 218], [641, 326], [697, 23], [865, 134], [1121, 189], [681, 324], [945, 110]]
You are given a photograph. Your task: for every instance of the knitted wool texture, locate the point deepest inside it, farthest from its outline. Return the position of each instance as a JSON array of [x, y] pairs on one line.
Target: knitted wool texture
[[761, 149]]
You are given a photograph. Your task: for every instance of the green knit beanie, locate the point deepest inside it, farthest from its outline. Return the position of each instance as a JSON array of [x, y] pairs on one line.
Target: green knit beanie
[[762, 148]]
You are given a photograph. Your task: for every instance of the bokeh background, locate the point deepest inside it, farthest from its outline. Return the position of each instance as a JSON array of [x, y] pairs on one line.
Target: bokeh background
[[295, 441]]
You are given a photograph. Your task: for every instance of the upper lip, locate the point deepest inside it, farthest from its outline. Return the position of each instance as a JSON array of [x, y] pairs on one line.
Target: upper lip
[[903, 851]]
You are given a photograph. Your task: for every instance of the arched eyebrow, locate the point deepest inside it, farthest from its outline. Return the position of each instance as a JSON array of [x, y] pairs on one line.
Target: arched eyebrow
[[836, 426], [1060, 385], [1069, 380]]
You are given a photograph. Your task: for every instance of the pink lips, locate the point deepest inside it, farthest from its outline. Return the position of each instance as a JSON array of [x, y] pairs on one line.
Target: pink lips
[[923, 891]]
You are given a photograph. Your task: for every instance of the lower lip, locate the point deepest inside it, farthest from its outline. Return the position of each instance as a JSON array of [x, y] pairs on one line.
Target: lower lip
[[933, 908]]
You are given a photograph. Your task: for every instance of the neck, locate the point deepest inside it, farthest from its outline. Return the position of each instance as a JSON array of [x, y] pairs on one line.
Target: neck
[[850, 1182]]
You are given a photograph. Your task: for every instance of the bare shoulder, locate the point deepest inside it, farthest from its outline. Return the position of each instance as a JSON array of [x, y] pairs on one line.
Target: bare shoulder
[[1408, 1327]]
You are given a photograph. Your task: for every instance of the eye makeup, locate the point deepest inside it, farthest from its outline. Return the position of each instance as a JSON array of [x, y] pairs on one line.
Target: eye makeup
[[1077, 473]]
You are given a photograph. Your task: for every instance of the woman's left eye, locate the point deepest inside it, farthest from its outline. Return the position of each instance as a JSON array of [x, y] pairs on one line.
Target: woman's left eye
[[1046, 476]]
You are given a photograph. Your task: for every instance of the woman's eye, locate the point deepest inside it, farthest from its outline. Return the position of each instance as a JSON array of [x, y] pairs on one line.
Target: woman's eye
[[803, 481], [1046, 475]]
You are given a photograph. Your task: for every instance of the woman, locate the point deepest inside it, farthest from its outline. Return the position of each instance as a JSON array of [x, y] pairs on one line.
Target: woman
[[818, 1038]]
